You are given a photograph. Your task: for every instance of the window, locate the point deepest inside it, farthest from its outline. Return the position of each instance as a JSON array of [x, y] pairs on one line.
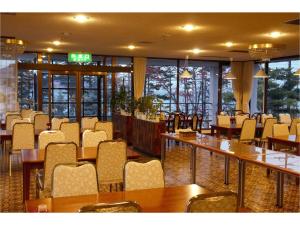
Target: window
[[228, 100], [26, 89], [258, 87], [90, 95], [161, 81]]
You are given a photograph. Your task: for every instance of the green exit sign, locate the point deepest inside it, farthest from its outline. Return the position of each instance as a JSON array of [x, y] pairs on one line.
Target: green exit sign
[[79, 57]]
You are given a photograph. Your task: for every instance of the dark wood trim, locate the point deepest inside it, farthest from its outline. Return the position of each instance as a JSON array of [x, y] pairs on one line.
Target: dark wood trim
[[177, 86], [220, 84], [99, 70], [113, 83], [266, 87], [78, 96], [39, 87]]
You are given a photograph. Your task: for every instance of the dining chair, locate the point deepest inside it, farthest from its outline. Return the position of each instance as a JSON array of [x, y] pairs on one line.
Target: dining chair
[[239, 119], [195, 122], [285, 118], [110, 162], [8, 120], [106, 126], [264, 117], [293, 128], [257, 116], [56, 122], [213, 202], [22, 138], [55, 153], [74, 179], [143, 175], [71, 131], [248, 131], [223, 120], [48, 136], [267, 131], [25, 113], [88, 123], [41, 121], [32, 115], [281, 130], [93, 138], [116, 207], [298, 129]]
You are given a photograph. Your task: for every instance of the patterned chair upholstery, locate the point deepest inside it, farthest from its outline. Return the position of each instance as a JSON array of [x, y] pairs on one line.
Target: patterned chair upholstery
[[9, 118], [281, 130], [25, 113], [267, 131], [72, 180], [71, 132], [13, 122], [55, 153], [56, 122], [47, 137], [223, 120], [88, 123], [293, 128], [264, 117], [285, 118], [41, 121], [298, 129], [105, 126], [239, 119], [110, 162], [248, 131], [93, 138], [22, 138], [214, 202], [118, 207], [143, 175]]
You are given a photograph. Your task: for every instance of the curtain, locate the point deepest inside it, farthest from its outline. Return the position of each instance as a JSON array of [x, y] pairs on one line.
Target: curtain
[[247, 84], [139, 70], [236, 70]]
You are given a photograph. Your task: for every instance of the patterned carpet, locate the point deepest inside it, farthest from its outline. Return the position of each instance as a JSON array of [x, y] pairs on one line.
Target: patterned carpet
[[259, 190]]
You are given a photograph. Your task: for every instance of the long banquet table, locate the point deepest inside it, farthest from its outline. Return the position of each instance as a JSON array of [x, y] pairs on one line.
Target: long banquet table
[[169, 199], [283, 163], [34, 159]]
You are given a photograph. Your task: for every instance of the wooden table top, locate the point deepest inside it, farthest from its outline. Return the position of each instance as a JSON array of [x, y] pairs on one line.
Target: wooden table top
[[169, 199], [88, 153], [285, 162], [290, 138]]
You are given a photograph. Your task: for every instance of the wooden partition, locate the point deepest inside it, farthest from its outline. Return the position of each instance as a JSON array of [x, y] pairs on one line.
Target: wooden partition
[[123, 126]]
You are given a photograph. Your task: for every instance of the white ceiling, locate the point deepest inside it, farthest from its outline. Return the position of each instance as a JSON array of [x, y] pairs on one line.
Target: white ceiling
[[154, 34]]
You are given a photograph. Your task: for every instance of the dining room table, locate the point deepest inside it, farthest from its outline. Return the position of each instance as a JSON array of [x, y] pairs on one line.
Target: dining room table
[[231, 129], [34, 159], [167, 199], [282, 163], [287, 140]]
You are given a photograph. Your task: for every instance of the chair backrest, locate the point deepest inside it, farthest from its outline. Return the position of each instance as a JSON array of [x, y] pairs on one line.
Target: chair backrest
[[257, 116], [268, 126], [71, 131], [285, 118], [25, 113], [280, 130], [56, 122], [293, 128], [223, 120], [110, 162], [239, 119], [298, 129], [214, 202], [57, 153], [23, 136], [26, 120], [194, 124], [46, 137], [32, 115], [143, 175], [74, 180], [93, 138], [264, 117], [41, 121], [176, 123], [105, 126], [88, 123], [248, 130], [121, 207], [9, 118]]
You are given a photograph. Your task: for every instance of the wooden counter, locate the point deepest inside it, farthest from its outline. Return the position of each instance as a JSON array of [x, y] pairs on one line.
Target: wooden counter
[[123, 124]]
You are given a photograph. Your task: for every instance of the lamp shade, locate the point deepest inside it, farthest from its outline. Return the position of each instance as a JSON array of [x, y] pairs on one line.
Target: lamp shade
[[186, 75], [229, 76], [297, 73], [261, 74]]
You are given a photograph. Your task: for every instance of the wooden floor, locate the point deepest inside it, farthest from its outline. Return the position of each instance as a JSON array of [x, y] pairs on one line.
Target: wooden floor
[[259, 191]]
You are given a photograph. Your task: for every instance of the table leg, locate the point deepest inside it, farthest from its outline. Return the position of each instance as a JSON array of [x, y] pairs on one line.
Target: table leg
[[163, 151], [26, 181], [279, 189], [212, 131], [229, 134], [241, 183], [227, 166], [193, 164], [269, 147]]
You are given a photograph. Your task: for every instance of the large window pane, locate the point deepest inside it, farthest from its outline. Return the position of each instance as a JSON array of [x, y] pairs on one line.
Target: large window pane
[[228, 100], [60, 110], [60, 81], [26, 88], [90, 95], [60, 95]]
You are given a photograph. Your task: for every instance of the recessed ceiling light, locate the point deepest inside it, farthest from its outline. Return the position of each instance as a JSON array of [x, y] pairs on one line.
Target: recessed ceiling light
[[196, 50], [49, 49], [56, 43], [81, 18], [228, 44], [40, 60], [131, 47], [275, 34], [188, 27]]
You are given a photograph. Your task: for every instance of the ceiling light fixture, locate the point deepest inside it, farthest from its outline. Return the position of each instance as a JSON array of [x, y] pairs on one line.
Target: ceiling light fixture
[[265, 51], [188, 27], [81, 18], [186, 74], [57, 43], [131, 47], [228, 44], [196, 50], [261, 74], [275, 34], [50, 49], [297, 73]]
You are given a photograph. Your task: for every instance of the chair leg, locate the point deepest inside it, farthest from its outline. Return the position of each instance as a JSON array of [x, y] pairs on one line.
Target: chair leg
[[10, 156]]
